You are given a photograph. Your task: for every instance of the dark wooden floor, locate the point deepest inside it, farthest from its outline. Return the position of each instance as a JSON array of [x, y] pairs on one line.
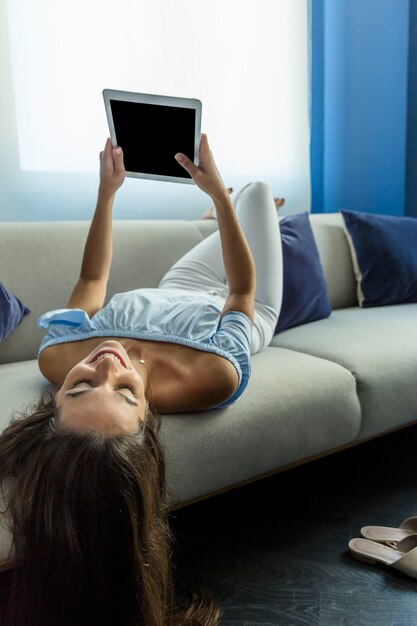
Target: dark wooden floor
[[275, 552]]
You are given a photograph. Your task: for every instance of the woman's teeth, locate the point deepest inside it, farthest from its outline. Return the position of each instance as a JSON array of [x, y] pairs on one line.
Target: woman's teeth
[[105, 355]]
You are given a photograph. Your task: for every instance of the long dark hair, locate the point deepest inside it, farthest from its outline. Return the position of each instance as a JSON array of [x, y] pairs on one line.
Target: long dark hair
[[91, 538]]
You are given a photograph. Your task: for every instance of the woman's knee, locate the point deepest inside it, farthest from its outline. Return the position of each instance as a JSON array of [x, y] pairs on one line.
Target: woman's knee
[[259, 191], [257, 186]]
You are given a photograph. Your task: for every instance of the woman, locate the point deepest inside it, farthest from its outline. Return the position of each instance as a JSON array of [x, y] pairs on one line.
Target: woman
[[83, 475]]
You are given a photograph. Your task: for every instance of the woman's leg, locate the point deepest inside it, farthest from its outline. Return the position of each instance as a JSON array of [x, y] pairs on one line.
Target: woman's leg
[[202, 267], [257, 214]]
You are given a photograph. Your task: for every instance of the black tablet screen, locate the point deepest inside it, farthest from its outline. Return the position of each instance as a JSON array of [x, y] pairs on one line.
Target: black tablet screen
[[151, 134]]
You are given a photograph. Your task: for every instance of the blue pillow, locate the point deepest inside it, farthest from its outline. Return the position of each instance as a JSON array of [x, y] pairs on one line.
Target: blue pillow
[[384, 257], [11, 312], [305, 297]]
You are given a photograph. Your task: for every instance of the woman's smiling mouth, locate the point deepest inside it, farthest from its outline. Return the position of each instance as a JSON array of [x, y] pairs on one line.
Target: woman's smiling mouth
[[108, 353]]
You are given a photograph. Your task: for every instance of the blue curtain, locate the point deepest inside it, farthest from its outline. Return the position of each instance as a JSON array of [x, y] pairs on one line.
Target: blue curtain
[[411, 176], [363, 120]]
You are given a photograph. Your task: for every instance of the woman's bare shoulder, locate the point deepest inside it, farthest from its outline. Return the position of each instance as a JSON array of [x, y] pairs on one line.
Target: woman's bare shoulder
[[53, 363], [206, 384]]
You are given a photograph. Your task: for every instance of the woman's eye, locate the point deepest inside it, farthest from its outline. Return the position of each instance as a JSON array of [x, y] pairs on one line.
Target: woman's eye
[[82, 380], [91, 383], [131, 389]]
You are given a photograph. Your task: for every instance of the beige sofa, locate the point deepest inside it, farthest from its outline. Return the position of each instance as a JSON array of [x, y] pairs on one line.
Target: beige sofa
[[317, 388]]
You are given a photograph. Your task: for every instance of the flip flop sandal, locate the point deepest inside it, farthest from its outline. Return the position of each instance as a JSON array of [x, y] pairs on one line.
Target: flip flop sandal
[[385, 534], [402, 558]]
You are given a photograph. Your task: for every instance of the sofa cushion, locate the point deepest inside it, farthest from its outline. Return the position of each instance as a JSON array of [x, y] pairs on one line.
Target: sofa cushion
[[295, 406], [20, 384], [11, 312], [379, 346], [384, 256], [305, 296]]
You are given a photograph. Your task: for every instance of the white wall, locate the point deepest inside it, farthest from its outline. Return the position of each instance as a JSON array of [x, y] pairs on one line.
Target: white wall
[[246, 61]]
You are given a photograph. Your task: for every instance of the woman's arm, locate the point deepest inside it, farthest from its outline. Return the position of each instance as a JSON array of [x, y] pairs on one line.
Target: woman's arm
[[237, 257], [90, 291]]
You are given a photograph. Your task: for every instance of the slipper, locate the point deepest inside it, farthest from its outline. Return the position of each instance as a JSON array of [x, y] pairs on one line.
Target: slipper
[[402, 558], [386, 534]]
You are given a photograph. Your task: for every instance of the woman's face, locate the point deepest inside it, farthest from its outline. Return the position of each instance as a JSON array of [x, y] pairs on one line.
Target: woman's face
[[103, 392]]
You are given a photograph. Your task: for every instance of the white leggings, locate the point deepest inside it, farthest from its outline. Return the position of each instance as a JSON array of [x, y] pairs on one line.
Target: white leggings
[[202, 269]]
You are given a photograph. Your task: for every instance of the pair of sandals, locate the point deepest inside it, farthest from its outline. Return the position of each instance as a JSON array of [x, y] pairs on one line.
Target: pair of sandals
[[396, 547]]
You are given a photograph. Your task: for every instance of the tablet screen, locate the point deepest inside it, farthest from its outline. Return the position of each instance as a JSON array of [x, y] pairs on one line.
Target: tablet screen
[[151, 134]]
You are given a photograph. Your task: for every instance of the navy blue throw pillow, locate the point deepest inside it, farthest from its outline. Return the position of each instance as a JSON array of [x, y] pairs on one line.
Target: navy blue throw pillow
[[384, 257], [11, 312], [305, 297]]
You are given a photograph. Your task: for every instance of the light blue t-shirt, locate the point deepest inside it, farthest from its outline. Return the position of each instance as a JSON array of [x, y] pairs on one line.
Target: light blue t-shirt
[[188, 318]]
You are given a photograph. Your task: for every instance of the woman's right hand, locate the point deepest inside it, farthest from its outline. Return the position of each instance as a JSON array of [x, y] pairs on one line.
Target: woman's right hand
[[206, 174], [112, 169]]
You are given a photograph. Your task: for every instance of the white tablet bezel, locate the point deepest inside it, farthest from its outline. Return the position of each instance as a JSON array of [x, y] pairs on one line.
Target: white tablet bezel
[[146, 98]]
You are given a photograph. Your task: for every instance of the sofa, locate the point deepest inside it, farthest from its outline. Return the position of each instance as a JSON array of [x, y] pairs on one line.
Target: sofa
[[318, 388]]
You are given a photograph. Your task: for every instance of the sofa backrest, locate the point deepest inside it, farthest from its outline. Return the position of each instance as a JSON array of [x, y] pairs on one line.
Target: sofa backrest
[[40, 261], [335, 259]]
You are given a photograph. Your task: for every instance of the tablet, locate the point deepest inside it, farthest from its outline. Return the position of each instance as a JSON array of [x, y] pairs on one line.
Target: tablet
[[151, 129]]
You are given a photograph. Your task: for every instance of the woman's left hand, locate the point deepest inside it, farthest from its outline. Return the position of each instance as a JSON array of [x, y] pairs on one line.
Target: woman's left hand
[[205, 175], [112, 169]]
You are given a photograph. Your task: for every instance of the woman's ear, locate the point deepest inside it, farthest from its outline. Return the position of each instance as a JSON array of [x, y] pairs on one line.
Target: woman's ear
[[147, 411], [55, 394]]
